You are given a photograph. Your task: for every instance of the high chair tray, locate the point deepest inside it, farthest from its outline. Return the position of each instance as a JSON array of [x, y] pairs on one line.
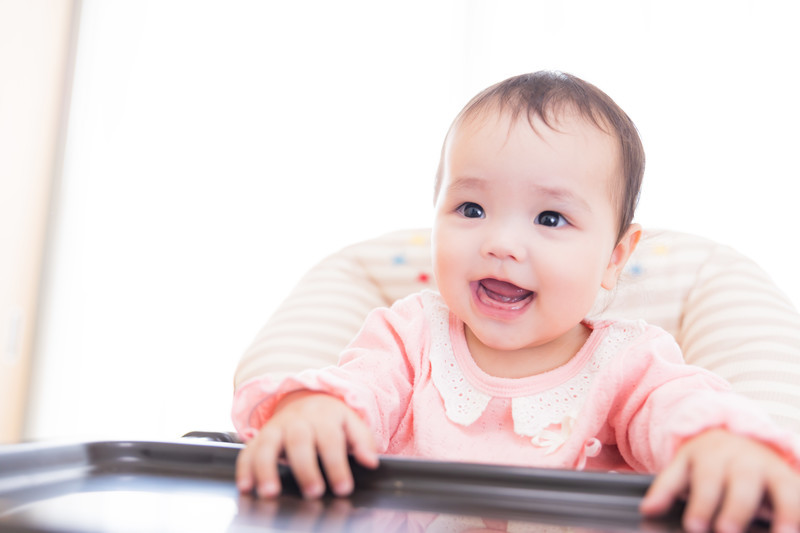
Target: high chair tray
[[125, 486]]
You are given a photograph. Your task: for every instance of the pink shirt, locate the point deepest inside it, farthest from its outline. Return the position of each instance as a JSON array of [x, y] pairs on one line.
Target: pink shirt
[[625, 401]]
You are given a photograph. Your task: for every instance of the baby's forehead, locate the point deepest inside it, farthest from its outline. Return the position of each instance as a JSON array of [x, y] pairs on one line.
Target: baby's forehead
[[595, 141], [567, 118], [474, 126], [559, 117]]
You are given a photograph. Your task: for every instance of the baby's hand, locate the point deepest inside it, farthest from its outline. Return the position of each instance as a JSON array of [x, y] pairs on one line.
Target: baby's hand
[[728, 476], [307, 427]]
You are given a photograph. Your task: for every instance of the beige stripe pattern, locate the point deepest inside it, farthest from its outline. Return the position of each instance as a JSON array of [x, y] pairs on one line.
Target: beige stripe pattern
[[725, 312]]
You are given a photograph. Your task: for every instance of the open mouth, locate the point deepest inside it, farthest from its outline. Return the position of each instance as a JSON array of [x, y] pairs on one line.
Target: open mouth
[[502, 294]]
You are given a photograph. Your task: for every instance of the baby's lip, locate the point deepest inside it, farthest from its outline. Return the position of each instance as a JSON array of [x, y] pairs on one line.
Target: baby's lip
[[504, 292]]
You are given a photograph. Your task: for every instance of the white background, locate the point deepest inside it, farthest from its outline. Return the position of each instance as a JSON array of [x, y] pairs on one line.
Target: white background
[[217, 149]]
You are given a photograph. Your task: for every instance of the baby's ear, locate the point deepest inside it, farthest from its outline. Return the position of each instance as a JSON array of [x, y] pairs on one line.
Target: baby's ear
[[620, 255]]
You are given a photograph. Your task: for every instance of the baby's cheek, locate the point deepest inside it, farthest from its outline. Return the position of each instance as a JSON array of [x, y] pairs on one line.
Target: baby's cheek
[[445, 258]]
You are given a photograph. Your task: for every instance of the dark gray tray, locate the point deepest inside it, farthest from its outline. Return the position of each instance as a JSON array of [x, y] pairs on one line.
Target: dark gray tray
[[189, 486]]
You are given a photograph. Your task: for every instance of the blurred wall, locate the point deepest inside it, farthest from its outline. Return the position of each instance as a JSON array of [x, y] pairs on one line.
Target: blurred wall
[[35, 65]]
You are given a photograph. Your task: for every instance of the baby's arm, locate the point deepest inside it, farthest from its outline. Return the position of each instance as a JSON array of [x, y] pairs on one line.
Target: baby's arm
[[685, 423], [727, 477], [354, 407], [307, 428]]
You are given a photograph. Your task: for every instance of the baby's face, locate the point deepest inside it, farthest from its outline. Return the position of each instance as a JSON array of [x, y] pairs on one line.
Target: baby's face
[[525, 230]]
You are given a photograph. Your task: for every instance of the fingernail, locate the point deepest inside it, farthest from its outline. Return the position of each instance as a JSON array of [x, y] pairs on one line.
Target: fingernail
[[268, 489], [313, 491], [695, 525], [372, 460], [343, 488], [727, 527]]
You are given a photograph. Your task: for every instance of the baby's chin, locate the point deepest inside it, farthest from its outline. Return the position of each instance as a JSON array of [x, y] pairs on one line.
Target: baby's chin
[[497, 339]]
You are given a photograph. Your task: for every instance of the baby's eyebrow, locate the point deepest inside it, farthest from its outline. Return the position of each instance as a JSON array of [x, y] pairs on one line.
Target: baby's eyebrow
[[562, 195], [467, 183]]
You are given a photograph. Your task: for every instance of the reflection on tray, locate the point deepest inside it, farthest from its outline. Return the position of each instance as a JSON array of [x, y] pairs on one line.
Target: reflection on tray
[[348, 515]]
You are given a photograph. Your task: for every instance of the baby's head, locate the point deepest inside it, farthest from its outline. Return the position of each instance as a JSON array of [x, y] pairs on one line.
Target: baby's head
[[547, 95], [535, 195]]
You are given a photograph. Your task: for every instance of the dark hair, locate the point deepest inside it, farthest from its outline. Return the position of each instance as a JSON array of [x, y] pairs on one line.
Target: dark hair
[[544, 94]]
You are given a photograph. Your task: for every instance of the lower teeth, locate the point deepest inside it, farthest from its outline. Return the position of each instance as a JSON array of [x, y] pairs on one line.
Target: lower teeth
[[505, 299]]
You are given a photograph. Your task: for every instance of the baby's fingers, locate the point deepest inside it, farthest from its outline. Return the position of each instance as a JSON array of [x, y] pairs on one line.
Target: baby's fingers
[[744, 492], [245, 481], [670, 484], [351, 434], [707, 485], [705, 479], [784, 495], [333, 456], [257, 464], [361, 441], [301, 453]]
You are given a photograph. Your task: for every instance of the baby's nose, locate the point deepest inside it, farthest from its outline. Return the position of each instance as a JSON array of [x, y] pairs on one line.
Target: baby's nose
[[505, 246]]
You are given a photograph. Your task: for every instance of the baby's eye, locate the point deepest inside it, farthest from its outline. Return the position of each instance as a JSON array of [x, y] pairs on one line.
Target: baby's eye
[[550, 219], [471, 210]]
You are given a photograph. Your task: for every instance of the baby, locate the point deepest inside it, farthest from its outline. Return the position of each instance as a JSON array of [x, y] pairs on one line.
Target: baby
[[534, 201]]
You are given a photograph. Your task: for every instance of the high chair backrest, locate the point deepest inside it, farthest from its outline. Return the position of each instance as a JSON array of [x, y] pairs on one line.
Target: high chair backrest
[[725, 312]]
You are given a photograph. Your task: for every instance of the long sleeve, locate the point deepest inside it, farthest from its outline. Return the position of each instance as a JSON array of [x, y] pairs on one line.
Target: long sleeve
[[661, 402], [374, 377]]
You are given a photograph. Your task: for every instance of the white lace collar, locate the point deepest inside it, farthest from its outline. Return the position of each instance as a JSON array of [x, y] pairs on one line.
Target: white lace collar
[[542, 406]]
